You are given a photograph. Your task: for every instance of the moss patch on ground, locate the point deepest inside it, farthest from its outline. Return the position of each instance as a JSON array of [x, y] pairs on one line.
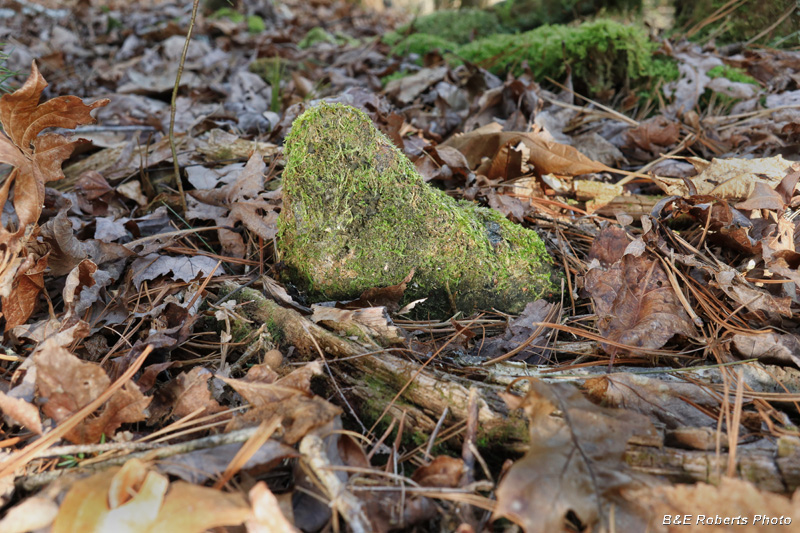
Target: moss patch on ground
[[765, 20], [421, 44], [602, 54], [357, 216], [458, 26], [522, 15]]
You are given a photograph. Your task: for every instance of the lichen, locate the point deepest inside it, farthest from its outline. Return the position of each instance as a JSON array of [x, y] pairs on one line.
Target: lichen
[[357, 215]]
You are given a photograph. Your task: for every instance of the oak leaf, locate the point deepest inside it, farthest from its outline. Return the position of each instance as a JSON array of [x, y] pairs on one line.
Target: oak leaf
[[36, 160]]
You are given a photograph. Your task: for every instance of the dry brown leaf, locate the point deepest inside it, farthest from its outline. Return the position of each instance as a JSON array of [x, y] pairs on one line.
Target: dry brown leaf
[[732, 179], [134, 499], [36, 159], [574, 463], [25, 288], [548, 157], [21, 412], [388, 297], [190, 390], [34, 514], [267, 515], [652, 137], [245, 201], [770, 346], [289, 398], [182, 267], [732, 506], [443, 471], [68, 384], [633, 298]]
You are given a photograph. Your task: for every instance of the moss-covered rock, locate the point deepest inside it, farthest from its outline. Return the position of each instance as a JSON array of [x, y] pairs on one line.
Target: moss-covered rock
[[458, 26], [357, 215], [603, 54]]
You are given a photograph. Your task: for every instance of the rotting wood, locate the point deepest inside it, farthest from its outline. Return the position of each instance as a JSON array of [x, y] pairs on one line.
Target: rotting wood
[[761, 467], [424, 401]]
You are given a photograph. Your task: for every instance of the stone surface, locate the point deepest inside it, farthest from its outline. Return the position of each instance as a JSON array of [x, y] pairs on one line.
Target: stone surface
[[357, 216]]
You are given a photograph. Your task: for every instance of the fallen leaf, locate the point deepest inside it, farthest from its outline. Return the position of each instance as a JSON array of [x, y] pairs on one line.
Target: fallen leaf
[[36, 159], [191, 392], [732, 179], [68, 384], [21, 412], [548, 157], [652, 137], [443, 471], [633, 298], [782, 348], [733, 505], [33, 514], [267, 515], [183, 268], [289, 398], [573, 464], [135, 499], [388, 297]]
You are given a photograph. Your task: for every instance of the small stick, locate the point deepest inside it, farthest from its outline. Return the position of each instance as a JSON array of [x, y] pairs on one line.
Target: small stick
[[173, 107]]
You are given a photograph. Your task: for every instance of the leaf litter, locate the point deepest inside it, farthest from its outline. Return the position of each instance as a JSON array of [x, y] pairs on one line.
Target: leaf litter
[[667, 375]]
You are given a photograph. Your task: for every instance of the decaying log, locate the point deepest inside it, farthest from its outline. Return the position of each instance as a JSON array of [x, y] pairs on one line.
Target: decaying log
[[375, 379], [423, 401], [767, 470]]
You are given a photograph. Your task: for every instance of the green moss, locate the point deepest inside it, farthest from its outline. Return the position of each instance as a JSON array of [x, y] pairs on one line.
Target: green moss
[[357, 215], [228, 13], [255, 24], [268, 67], [521, 15], [732, 73], [400, 74], [316, 35], [762, 19], [602, 54], [240, 330], [421, 44], [458, 26]]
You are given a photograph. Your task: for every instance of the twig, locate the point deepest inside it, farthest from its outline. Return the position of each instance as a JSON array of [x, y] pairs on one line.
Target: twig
[[157, 451], [341, 499], [436, 430], [333, 378], [173, 107]]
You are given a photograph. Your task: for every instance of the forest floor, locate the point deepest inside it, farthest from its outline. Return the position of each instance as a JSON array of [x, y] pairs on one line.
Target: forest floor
[[162, 371]]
